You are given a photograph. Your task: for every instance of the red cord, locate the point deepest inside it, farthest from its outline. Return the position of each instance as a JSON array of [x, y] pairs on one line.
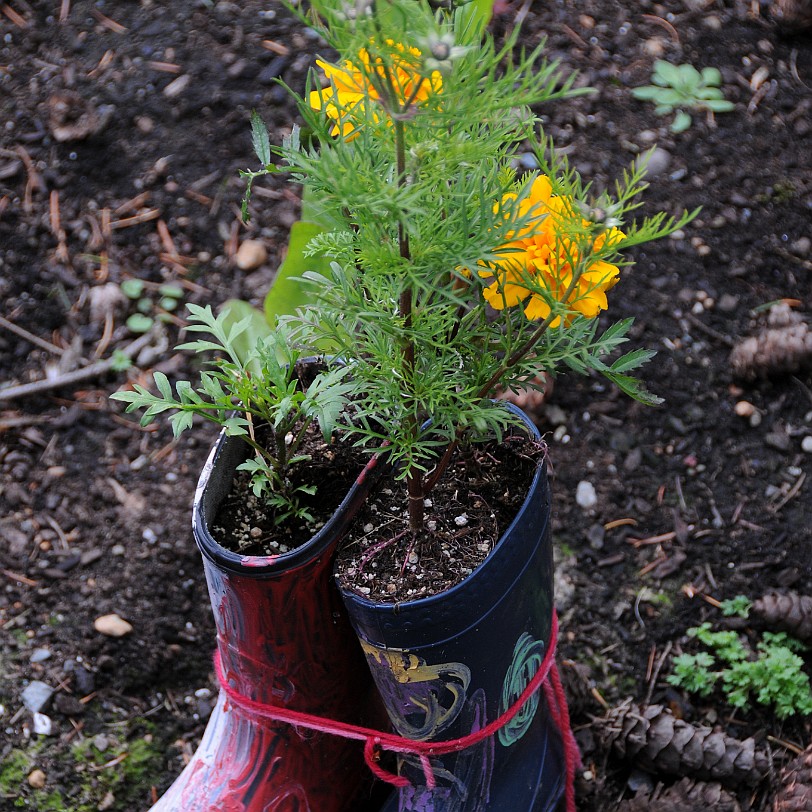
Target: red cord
[[377, 740]]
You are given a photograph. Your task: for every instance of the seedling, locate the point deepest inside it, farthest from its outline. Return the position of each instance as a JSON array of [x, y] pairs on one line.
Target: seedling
[[773, 675], [681, 88], [737, 607], [245, 392], [147, 307]]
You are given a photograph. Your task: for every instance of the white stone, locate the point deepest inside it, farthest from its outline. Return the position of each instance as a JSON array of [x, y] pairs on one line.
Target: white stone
[[42, 724], [112, 626], [806, 444], [461, 520], [585, 495]]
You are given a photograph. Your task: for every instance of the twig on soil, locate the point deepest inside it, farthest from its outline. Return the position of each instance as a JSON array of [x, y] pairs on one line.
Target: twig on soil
[[793, 68], [104, 62], [680, 496], [791, 494], [14, 16], [652, 565], [34, 180], [110, 25], [56, 229], [77, 375], [15, 576], [133, 204], [276, 47], [164, 67], [670, 536], [653, 18], [23, 333], [656, 673], [19, 420], [692, 592], [782, 252], [793, 748], [56, 527], [726, 340], [64, 11], [143, 217]]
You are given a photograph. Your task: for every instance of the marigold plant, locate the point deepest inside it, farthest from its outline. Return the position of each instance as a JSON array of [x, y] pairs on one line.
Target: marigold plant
[[451, 275]]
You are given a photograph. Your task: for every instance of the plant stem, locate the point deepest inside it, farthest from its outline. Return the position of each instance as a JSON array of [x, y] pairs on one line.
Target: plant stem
[[414, 480], [511, 361]]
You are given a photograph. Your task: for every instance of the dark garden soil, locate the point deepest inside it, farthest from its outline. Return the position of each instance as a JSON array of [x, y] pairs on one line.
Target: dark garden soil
[[123, 127]]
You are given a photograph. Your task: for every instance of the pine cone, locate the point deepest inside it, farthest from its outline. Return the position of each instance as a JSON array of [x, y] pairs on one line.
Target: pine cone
[[654, 740], [684, 796], [783, 347], [794, 15], [788, 612], [795, 794]]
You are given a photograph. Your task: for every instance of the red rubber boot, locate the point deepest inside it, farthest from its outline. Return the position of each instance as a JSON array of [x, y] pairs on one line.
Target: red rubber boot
[[283, 639]]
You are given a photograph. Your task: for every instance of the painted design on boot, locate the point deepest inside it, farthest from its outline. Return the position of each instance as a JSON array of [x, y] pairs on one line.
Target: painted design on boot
[[528, 654], [422, 700], [467, 788]]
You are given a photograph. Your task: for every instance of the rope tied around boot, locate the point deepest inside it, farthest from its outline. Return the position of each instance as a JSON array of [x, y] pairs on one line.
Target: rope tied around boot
[[376, 741]]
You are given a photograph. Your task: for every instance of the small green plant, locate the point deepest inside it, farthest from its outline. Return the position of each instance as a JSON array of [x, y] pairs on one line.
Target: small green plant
[[772, 675], [737, 607], [148, 307], [681, 88], [245, 393], [693, 673]]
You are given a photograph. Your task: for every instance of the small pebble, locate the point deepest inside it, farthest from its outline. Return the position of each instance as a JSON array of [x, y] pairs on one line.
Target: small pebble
[[39, 655], [177, 86], [585, 495], [744, 408], [656, 162], [112, 626], [42, 724], [368, 528], [256, 532], [149, 535], [117, 549], [802, 246], [806, 444], [36, 779], [432, 525], [461, 520], [36, 695], [250, 255]]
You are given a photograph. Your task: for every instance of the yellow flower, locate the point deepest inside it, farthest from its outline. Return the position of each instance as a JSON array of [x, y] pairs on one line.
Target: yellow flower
[[542, 255], [351, 87]]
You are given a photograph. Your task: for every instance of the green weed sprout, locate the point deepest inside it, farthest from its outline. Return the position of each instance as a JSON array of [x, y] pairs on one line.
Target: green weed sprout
[[773, 675], [246, 392], [681, 88]]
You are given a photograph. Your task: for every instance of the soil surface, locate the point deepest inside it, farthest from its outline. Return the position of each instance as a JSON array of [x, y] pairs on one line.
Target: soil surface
[[124, 126]]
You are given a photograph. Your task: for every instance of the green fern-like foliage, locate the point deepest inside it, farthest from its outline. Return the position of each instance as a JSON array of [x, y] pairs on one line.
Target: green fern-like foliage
[[773, 675]]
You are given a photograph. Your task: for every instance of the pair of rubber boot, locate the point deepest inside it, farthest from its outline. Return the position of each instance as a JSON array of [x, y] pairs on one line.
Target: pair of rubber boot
[[443, 667]]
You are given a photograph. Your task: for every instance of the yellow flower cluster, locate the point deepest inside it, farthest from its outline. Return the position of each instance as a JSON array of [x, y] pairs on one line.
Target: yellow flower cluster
[[351, 87], [542, 255]]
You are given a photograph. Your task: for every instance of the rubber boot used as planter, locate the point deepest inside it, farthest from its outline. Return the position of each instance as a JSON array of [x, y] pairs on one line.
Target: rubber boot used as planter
[[283, 639], [449, 664]]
